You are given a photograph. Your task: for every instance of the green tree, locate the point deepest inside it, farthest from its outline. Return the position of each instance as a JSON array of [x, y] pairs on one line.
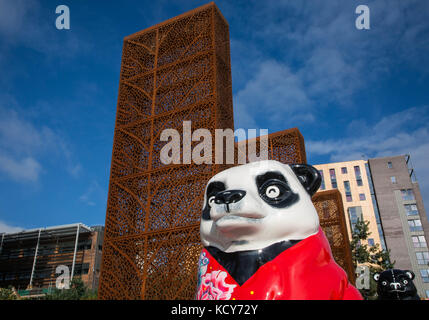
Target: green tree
[[7, 294], [77, 291], [372, 256]]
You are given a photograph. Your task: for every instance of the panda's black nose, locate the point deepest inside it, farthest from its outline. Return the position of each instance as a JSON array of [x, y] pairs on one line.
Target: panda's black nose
[[229, 196], [395, 285]]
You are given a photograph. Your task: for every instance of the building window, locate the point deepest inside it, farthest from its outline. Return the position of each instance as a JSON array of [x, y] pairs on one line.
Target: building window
[[348, 191], [389, 165], [333, 178], [355, 214], [411, 210], [85, 245], [393, 179], [347, 186], [407, 194], [422, 257], [322, 185], [81, 269], [29, 252], [358, 176], [362, 197], [419, 241], [425, 275], [25, 276], [343, 170], [9, 276], [371, 242], [415, 225]]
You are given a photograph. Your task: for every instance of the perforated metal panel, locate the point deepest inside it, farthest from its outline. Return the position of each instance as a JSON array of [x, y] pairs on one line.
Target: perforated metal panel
[[286, 146], [329, 206], [173, 72]]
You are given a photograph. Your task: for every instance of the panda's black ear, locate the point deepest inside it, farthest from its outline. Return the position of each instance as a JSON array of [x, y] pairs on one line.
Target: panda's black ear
[[376, 276], [409, 274], [309, 177]]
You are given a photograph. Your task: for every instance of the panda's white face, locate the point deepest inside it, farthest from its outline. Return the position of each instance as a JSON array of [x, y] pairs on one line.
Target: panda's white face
[[252, 206]]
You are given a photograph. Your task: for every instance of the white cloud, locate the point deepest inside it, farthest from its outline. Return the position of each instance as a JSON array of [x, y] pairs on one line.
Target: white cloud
[[13, 15], [21, 136], [24, 147], [26, 169], [27, 23], [93, 191], [403, 130], [5, 228], [274, 93], [331, 60], [327, 73]]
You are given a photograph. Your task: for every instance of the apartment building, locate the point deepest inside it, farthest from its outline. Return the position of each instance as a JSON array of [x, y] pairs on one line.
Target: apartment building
[[353, 181], [404, 219]]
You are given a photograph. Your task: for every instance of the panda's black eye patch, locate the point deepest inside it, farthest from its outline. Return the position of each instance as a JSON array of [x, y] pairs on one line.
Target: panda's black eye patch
[[274, 190], [212, 189], [270, 175]]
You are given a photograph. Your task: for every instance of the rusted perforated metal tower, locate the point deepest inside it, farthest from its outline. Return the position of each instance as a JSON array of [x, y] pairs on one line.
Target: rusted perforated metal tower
[[175, 71]]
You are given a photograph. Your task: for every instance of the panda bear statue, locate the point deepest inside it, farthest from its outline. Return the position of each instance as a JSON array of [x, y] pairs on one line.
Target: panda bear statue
[[262, 239], [395, 284]]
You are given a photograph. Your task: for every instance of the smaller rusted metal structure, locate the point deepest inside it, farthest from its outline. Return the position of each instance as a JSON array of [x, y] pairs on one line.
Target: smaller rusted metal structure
[[329, 206], [286, 146]]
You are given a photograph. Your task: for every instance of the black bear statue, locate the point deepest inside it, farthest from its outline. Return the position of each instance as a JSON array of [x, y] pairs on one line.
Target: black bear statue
[[395, 284]]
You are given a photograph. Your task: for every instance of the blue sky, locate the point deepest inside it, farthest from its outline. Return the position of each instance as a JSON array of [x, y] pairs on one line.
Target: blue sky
[[352, 93]]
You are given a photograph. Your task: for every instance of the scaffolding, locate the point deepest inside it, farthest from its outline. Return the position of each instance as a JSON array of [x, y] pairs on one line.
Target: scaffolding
[[28, 259]]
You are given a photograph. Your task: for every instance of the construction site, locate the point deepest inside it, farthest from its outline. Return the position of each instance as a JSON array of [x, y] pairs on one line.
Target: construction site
[[29, 259]]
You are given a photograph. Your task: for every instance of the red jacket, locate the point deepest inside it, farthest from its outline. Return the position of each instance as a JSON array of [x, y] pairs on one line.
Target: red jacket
[[305, 271]]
